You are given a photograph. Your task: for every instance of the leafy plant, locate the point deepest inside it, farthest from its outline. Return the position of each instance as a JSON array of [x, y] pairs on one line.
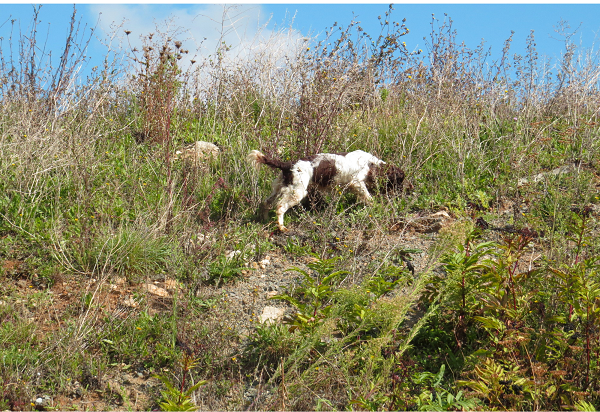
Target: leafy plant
[[292, 246], [372, 401], [459, 290], [584, 406], [224, 269], [356, 304], [578, 287], [436, 398], [387, 280], [500, 386], [177, 397], [312, 298]]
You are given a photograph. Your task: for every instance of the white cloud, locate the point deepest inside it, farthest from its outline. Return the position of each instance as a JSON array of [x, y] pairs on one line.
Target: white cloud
[[202, 27], [257, 46]]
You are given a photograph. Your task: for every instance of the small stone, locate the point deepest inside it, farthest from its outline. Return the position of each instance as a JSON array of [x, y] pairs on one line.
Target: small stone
[[271, 314], [251, 393], [171, 283], [155, 290], [232, 253], [130, 302]]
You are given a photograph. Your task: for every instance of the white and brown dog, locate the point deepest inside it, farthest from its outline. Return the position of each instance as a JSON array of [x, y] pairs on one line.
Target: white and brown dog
[[359, 171]]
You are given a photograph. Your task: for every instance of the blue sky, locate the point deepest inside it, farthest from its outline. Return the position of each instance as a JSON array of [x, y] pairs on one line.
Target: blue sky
[[473, 22]]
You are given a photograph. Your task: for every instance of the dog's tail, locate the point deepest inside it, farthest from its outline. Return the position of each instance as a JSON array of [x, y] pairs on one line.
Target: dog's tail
[[256, 158]]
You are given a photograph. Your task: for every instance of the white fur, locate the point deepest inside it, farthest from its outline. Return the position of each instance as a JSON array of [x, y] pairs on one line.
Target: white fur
[[351, 171]]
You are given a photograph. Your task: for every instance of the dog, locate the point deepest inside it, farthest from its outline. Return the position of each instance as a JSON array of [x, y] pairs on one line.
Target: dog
[[359, 171]]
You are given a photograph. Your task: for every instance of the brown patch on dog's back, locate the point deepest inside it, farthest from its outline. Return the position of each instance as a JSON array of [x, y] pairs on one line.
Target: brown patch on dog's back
[[324, 173]]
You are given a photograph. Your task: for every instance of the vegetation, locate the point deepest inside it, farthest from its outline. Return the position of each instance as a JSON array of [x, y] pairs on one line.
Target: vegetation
[[501, 310]]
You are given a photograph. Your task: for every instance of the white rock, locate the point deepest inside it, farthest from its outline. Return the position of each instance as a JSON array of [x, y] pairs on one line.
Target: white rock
[[232, 253], [156, 290], [201, 237], [271, 314], [120, 280], [198, 151], [554, 172], [171, 284], [130, 302], [441, 215]]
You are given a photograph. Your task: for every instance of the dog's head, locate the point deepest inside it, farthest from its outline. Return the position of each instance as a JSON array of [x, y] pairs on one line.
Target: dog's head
[[385, 178], [394, 177]]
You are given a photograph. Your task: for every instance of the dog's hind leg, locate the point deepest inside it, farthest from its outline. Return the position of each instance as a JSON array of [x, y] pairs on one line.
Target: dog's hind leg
[[291, 196]]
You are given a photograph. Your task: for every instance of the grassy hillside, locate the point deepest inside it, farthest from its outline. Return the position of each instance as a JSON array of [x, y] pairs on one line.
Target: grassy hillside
[[133, 279]]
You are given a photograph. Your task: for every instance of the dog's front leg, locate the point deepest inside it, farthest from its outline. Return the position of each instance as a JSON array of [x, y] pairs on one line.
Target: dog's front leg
[[360, 189], [269, 203], [263, 212]]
